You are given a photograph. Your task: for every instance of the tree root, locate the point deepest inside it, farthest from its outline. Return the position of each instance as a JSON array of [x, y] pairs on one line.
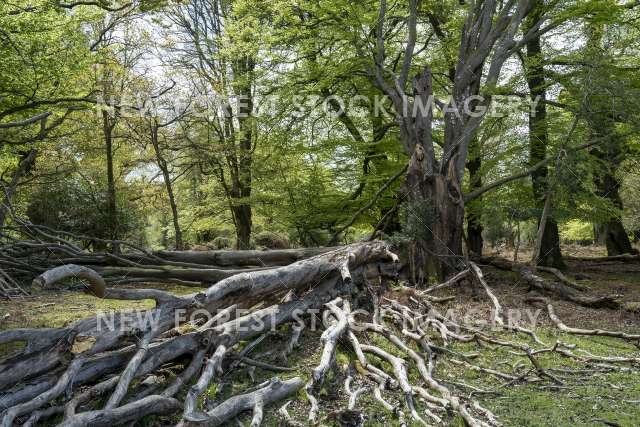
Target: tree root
[[557, 289], [578, 331]]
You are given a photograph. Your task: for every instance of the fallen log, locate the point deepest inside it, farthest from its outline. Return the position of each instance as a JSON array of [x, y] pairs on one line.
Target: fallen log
[[87, 350], [255, 401], [222, 258], [96, 284], [109, 371]]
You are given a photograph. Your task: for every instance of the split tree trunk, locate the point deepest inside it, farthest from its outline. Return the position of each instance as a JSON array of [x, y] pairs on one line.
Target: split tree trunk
[[435, 207], [435, 212]]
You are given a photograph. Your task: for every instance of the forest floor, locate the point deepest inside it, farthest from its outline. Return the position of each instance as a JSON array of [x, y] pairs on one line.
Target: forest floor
[[596, 399]]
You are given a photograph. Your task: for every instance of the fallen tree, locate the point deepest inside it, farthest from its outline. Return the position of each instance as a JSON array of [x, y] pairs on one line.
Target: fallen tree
[[52, 361], [28, 250], [108, 372]]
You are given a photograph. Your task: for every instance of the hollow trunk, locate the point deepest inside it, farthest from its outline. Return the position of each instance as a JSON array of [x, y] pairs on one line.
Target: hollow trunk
[[550, 254]]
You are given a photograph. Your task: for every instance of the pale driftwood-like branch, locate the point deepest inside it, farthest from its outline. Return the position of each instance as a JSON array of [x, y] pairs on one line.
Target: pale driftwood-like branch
[[579, 331], [275, 391], [96, 285], [497, 308], [133, 411], [452, 281], [214, 365], [329, 339]]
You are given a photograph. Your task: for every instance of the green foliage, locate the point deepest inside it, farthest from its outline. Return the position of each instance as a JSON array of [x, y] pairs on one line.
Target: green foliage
[[311, 169], [73, 206], [577, 231]]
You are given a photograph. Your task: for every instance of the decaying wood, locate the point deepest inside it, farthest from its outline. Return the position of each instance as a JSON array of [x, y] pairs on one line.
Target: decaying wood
[[111, 374], [557, 289], [41, 248], [96, 284], [85, 353], [579, 331]]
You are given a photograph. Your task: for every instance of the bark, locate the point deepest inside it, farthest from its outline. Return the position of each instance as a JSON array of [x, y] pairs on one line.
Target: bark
[[549, 251], [164, 168], [275, 391], [96, 283], [202, 275], [609, 155], [436, 214], [243, 68], [614, 235], [474, 213], [224, 258], [433, 186], [128, 413]]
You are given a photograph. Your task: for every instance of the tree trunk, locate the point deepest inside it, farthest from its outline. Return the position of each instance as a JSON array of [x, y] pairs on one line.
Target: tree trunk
[[615, 236], [550, 254], [243, 71], [112, 213], [474, 212], [610, 153], [162, 164], [435, 216], [435, 207]]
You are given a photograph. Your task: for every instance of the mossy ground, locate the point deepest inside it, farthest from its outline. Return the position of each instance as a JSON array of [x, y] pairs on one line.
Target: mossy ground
[[583, 400]]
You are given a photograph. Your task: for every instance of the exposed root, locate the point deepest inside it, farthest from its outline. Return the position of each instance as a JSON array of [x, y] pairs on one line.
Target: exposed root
[[557, 289], [578, 331], [330, 339], [564, 279], [115, 377], [353, 394], [497, 312]]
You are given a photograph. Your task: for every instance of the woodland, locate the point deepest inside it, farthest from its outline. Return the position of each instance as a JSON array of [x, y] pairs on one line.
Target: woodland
[[325, 213]]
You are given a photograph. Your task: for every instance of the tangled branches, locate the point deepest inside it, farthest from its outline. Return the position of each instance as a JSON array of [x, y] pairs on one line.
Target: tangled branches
[[87, 374]]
